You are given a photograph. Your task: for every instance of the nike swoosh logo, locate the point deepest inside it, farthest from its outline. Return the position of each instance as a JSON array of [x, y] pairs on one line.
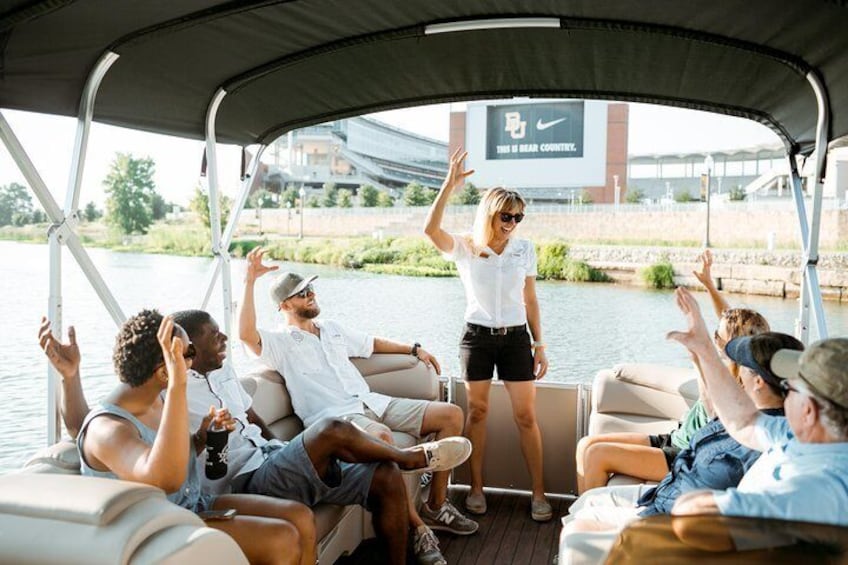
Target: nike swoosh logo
[[540, 125]]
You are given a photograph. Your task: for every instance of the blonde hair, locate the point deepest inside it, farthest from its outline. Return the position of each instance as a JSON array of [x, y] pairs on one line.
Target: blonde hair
[[495, 200], [742, 322]]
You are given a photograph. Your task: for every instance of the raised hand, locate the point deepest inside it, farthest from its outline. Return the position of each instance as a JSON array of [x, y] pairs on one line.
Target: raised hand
[[695, 338], [172, 351], [456, 170], [65, 357], [704, 274], [255, 267]]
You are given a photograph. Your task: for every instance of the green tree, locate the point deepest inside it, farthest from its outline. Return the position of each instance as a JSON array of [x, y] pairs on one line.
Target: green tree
[[200, 205], [313, 202], [289, 195], [261, 199], [15, 204], [331, 195], [634, 196], [469, 195], [586, 197], [385, 200], [158, 207], [91, 213], [417, 195], [368, 196], [130, 189], [345, 198]]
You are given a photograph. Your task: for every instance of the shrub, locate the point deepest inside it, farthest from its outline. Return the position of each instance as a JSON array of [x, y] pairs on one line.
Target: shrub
[[737, 193], [634, 196], [682, 196], [551, 259], [659, 275]]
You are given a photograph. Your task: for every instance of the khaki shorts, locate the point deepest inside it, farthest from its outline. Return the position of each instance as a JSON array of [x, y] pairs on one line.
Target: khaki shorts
[[401, 415]]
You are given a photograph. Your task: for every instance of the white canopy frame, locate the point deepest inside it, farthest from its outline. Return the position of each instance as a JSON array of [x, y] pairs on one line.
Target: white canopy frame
[[62, 230]]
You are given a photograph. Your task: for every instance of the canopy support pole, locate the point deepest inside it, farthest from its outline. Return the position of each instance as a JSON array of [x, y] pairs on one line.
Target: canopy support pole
[[62, 230], [222, 254], [232, 222], [811, 298]]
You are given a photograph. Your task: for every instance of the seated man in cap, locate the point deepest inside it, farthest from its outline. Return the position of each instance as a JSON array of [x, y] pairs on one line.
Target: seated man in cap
[[713, 459], [802, 473], [314, 357]]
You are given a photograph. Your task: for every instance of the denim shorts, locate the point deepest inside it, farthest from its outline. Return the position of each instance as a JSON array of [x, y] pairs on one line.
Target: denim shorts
[[288, 473], [481, 351]]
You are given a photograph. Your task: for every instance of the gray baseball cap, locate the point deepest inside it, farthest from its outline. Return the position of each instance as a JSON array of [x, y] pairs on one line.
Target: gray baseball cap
[[287, 285], [823, 367]]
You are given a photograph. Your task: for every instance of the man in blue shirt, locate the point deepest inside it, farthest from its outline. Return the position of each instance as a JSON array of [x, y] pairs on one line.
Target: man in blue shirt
[[803, 472]]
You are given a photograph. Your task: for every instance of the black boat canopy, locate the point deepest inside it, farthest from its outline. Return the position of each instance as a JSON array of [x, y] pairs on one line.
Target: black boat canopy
[[288, 64]]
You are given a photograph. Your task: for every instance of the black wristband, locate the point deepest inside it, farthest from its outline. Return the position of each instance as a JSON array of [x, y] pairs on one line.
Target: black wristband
[[415, 347]]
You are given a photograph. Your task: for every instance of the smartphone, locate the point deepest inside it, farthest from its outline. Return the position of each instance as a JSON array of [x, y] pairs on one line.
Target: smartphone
[[227, 514]]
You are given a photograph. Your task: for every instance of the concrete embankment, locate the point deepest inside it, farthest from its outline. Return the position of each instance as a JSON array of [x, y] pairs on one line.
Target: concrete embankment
[[770, 273]]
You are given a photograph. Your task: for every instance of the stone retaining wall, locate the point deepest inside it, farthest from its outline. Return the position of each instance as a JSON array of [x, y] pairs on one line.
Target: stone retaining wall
[[740, 271]]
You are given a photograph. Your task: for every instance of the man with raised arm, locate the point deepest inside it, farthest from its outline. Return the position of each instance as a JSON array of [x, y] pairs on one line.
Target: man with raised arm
[[314, 356], [332, 461], [802, 472]]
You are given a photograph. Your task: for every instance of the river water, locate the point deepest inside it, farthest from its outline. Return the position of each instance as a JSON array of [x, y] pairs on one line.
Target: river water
[[587, 327]]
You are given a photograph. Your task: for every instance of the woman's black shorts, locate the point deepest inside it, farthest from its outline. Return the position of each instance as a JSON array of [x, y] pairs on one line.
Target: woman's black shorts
[[663, 442], [482, 349]]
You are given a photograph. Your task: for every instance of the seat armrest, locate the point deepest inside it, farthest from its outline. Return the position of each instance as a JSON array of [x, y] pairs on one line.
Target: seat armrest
[[402, 376], [70, 498]]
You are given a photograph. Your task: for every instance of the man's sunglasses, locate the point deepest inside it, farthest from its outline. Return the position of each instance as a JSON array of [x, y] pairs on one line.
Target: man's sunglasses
[[189, 353], [304, 293], [786, 387], [506, 217]]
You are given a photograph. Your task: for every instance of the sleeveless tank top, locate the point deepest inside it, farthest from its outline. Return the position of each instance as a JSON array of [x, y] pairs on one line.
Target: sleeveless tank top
[[188, 496]]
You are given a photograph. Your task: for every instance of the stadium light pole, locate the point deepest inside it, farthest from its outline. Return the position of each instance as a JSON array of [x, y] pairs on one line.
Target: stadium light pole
[[302, 193], [709, 162]]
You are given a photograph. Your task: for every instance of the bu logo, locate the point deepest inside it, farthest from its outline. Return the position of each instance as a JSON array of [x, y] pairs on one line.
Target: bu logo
[[514, 125]]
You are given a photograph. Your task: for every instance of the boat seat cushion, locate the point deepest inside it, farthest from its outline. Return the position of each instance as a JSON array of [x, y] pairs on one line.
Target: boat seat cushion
[[61, 458]]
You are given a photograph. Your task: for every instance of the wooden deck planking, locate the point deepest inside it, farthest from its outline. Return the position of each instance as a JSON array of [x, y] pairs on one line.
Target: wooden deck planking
[[506, 535]]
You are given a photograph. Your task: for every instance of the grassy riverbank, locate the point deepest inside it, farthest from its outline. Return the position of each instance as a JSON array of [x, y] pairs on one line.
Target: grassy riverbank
[[396, 256]]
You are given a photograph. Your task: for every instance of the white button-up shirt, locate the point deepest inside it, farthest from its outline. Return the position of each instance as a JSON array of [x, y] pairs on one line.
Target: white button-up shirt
[[320, 378], [494, 285], [222, 389]]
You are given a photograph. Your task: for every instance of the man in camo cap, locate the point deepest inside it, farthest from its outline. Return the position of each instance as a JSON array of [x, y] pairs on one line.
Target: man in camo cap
[[803, 472]]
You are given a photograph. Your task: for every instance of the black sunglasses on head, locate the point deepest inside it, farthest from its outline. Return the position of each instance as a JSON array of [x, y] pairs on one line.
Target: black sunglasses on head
[[506, 217], [304, 293]]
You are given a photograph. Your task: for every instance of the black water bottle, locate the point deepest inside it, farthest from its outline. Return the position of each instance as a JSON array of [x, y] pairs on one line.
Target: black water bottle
[[216, 453]]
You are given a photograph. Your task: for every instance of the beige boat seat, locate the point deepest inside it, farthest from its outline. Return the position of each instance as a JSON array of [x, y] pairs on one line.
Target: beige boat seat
[[49, 518], [339, 529], [632, 397], [342, 529]]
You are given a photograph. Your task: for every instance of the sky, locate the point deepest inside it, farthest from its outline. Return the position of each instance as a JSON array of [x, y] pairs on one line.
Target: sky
[[49, 140]]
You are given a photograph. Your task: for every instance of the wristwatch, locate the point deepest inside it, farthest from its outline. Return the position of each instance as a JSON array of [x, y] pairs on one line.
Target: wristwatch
[[415, 347]]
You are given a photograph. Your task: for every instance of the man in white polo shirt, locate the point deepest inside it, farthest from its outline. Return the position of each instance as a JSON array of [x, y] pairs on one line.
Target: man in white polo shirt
[[314, 356]]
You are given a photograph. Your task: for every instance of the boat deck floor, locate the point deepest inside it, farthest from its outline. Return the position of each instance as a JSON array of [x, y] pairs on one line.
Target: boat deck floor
[[507, 535]]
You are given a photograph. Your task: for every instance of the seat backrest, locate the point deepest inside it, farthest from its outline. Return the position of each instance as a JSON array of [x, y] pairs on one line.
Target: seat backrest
[[641, 397], [392, 374]]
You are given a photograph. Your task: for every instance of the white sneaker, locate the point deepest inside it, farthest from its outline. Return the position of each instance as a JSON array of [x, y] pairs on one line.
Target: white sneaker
[[443, 454]]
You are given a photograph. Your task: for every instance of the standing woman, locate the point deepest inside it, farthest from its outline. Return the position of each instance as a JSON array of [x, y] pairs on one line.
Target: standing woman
[[499, 276]]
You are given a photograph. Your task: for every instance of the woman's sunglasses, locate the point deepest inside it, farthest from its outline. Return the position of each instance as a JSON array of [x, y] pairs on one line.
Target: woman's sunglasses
[[506, 217]]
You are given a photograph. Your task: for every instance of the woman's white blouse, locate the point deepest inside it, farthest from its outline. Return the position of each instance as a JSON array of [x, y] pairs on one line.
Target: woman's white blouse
[[494, 285]]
